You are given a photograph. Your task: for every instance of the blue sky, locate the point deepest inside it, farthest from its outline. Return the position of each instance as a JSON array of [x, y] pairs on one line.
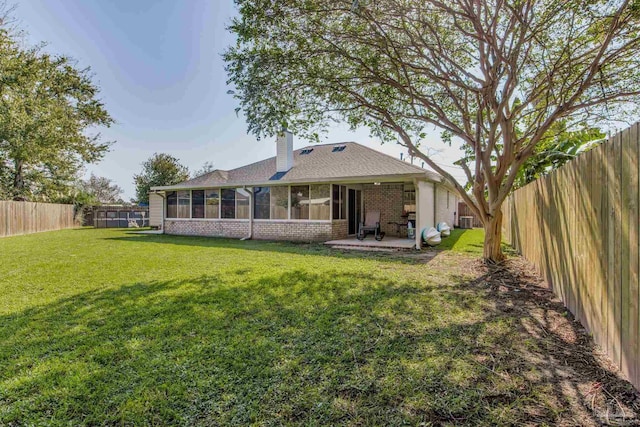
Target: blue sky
[[158, 64]]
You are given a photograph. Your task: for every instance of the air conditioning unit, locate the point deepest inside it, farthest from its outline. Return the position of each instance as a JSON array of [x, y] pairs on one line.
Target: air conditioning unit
[[466, 222]]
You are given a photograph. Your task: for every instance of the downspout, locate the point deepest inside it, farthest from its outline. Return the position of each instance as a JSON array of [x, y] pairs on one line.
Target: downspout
[[250, 236]]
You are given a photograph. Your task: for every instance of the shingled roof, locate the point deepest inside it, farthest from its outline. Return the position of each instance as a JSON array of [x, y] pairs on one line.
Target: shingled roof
[[315, 163]]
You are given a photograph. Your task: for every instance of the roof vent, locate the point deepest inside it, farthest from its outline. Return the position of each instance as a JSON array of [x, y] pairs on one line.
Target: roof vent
[[338, 148], [306, 151]]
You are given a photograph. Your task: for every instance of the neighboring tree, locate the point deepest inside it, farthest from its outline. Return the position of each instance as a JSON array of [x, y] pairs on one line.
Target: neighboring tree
[[102, 189], [206, 168], [5, 177], [556, 149], [159, 169], [496, 75], [81, 200], [48, 109]]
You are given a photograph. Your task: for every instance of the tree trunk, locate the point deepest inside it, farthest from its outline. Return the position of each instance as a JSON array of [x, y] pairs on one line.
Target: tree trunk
[[18, 181], [493, 238]]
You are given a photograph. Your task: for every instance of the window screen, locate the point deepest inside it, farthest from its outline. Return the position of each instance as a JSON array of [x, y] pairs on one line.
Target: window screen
[[300, 202], [172, 204], [197, 204], [262, 201], [228, 203]]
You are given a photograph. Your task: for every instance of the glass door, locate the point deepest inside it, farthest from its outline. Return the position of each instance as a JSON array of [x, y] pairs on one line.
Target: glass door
[[354, 202]]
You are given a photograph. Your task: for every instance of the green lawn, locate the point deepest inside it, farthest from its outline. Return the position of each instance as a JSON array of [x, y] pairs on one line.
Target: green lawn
[[107, 327], [465, 241]]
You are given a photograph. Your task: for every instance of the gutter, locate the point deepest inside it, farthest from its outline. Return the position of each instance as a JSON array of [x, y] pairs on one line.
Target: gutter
[[337, 180], [251, 195]]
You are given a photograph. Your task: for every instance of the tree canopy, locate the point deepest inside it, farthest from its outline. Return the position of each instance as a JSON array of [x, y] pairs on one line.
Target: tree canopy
[[495, 75], [48, 112], [102, 189], [206, 168], [160, 169], [556, 150]]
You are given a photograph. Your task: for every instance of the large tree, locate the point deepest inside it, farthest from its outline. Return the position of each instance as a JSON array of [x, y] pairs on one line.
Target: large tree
[[102, 189], [493, 74], [48, 111], [160, 169]]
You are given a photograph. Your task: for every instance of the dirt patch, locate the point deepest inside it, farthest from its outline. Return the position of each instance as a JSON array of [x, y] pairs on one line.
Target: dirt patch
[[585, 384]]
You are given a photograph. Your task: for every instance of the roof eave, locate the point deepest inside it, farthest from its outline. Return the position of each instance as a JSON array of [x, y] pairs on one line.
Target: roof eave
[[342, 180]]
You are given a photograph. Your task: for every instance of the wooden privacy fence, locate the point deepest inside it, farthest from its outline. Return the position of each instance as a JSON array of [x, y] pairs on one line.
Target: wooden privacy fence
[[580, 225], [464, 210], [29, 217]]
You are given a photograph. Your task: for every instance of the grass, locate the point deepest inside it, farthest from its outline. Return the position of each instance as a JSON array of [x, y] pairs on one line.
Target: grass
[[103, 327], [464, 241]]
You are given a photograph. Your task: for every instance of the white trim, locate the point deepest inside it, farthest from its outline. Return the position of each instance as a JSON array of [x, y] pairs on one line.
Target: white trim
[[343, 180], [207, 219], [281, 221], [288, 203], [323, 221], [418, 235]]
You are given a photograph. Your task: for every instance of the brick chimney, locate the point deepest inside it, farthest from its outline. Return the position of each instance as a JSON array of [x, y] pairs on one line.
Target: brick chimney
[[284, 151]]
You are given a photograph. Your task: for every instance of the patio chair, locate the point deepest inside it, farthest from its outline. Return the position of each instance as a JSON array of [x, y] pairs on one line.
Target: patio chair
[[371, 225]]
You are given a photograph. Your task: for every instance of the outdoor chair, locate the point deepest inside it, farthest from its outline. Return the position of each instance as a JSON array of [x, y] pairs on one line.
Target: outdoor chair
[[371, 225]]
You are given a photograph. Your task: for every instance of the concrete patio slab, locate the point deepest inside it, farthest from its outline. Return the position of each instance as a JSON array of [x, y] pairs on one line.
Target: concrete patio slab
[[397, 243]]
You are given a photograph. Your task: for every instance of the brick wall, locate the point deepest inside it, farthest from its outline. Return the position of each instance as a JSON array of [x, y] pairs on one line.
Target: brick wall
[[262, 230], [303, 231], [227, 228], [386, 198], [340, 229]]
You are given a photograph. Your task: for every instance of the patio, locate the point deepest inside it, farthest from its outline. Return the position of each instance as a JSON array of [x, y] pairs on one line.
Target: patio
[[388, 243]]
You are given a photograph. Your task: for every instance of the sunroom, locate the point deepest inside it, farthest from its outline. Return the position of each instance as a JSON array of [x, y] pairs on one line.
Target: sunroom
[[317, 193]]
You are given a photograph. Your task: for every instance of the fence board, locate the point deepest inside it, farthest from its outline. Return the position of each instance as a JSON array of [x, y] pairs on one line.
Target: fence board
[[464, 210], [580, 226], [617, 272], [28, 217], [634, 260]]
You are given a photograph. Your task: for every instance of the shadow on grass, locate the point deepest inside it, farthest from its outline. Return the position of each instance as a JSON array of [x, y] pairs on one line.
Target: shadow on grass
[[292, 348], [301, 248], [559, 351]]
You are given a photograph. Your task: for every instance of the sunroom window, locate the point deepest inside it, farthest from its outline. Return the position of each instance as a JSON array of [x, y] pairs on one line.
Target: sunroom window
[[299, 202], [339, 201], [228, 203], [184, 204], [320, 202], [242, 204], [212, 203], [279, 204], [262, 200], [172, 204], [197, 204]]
